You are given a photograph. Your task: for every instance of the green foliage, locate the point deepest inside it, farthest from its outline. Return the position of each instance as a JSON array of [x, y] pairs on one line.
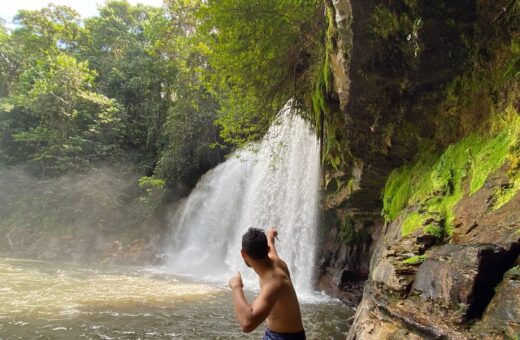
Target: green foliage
[[151, 182], [190, 141], [48, 31], [189, 137], [126, 46], [68, 126], [414, 260], [254, 51], [154, 191], [125, 84]]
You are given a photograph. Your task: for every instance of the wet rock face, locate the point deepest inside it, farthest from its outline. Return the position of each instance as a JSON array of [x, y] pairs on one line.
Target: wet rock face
[[416, 286], [503, 313], [378, 83], [454, 285], [373, 323], [477, 221], [340, 60], [345, 255], [463, 276]]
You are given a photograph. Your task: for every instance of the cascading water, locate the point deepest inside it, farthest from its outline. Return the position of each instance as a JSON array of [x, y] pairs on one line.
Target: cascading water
[[272, 183]]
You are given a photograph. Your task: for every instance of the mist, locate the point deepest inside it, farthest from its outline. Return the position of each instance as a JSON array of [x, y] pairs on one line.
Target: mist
[[99, 215]]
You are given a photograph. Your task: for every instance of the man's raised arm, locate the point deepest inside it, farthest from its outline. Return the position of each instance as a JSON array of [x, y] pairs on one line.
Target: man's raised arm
[[271, 236]]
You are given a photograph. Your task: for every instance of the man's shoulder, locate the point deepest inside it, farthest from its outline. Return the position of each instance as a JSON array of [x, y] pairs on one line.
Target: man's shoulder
[[276, 277], [283, 266], [280, 278]]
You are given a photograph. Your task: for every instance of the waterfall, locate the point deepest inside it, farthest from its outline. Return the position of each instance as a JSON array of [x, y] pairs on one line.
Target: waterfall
[[271, 183]]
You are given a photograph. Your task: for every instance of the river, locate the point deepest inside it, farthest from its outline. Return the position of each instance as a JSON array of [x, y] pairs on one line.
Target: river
[[45, 300]]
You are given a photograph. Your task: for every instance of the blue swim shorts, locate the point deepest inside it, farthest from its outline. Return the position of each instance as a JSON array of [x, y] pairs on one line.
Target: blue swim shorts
[[270, 335]]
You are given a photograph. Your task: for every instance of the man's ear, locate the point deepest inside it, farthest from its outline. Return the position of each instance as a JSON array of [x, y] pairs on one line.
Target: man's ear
[[243, 253]]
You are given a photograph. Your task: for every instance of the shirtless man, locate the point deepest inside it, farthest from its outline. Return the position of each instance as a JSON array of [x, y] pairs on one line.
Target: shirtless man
[[277, 301]]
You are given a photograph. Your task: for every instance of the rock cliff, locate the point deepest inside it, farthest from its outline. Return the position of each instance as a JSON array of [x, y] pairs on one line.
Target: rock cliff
[[422, 185]]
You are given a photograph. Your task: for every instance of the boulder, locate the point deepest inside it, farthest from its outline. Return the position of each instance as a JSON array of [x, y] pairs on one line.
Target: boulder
[[503, 312], [462, 276], [393, 274]]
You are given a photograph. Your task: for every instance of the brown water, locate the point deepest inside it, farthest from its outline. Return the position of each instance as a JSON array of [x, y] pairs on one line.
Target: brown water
[[43, 300]]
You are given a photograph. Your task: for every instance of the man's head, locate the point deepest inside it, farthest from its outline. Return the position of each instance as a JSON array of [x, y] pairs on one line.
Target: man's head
[[254, 244]]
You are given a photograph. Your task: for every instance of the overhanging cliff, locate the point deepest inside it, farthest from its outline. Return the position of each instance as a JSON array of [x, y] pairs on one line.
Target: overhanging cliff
[[420, 138]]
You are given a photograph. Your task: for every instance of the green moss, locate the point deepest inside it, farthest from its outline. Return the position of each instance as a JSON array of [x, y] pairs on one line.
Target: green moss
[[412, 222], [434, 230], [330, 34], [505, 193], [397, 192], [323, 76], [415, 259], [416, 220], [490, 157], [319, 105], [328, 121], [350, 185], [435, 183], [384, 22], [348, 233]]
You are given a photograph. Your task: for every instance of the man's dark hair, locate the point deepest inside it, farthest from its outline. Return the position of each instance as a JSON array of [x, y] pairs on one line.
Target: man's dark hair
[[254, 242]]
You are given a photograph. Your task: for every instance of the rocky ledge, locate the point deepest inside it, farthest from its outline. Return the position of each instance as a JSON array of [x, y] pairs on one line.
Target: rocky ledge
[[420, 288]]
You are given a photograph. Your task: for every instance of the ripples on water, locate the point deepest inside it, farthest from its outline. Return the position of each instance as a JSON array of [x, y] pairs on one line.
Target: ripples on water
[[42, 300]]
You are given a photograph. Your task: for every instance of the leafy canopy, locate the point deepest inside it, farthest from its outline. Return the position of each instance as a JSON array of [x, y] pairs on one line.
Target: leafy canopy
[[255, 52]]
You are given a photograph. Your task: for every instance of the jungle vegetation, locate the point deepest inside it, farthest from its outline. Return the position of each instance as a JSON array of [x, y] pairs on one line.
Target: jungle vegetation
[[169, 89]]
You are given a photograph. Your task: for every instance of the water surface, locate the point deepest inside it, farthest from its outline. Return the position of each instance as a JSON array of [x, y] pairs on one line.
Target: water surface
[[44, 300]]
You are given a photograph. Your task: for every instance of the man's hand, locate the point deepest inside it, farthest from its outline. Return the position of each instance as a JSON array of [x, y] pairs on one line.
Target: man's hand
[[236, 282], [272, 233]]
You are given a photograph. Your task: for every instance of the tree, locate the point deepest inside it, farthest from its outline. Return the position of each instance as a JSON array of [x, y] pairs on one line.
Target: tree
[[51, 30], [54, 120], [257, 53], [122, 47], [190, 142]]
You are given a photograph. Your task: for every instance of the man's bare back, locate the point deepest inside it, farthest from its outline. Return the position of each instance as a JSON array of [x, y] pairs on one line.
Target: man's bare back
[[277, 301], [285, 317]]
